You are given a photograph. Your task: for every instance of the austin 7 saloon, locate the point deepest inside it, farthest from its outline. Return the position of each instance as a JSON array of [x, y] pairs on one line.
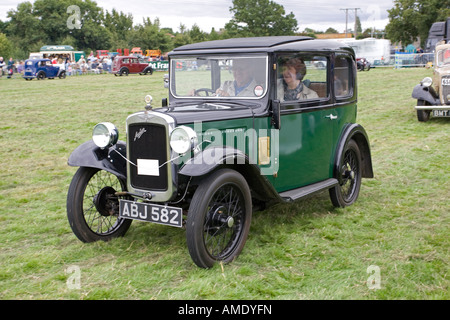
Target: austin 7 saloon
[[248, 123], [433, 94], [41, 69], [125, 65]]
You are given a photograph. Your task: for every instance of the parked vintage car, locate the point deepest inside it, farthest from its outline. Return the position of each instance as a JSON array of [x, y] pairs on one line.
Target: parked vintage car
[[433, 94], [124, 65], [41, 69], [249, 123], [363, 64]]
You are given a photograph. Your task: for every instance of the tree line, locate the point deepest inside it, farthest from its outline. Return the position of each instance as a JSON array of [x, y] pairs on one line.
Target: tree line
[[89, 27]]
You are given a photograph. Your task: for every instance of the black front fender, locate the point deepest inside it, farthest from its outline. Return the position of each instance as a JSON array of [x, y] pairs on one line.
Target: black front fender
[[211, 159], [89, 155], [426, 94]]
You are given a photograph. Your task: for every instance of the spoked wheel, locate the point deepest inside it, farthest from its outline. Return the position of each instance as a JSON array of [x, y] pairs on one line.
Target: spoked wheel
[[93, 207], [219, 218], [349, 177]]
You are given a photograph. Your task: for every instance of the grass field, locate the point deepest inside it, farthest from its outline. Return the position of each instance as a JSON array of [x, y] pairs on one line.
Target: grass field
[[396, 233]]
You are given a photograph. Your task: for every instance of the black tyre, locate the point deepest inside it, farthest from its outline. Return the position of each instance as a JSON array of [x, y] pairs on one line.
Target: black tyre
[[40, 75], [349, 177], [148, 71], [62, 75], [124, 72], [219, 218], [92, 207], [423, 115]]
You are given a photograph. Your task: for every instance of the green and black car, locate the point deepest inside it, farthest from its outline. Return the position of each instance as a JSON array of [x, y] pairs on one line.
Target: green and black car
[[249, 123]]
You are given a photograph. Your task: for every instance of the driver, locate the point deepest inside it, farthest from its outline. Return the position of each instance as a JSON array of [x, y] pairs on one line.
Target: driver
[[243, 84]]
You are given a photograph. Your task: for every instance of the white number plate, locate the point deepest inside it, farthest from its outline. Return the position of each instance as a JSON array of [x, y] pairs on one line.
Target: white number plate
[[151, 212], [446, 81]]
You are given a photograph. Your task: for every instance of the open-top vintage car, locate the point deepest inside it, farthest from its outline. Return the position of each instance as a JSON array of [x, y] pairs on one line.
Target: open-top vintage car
[[249, 123], [433, 94], [41, 69]]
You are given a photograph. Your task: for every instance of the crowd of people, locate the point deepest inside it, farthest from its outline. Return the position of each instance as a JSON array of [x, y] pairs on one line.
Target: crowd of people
[[8, 68], [91, 64], [83, 66]]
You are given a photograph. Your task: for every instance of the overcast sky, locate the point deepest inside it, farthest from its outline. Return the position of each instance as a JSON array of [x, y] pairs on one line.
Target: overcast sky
[[315, 14]]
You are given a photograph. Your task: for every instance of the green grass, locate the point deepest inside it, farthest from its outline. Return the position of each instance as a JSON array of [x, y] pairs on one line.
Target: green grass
[[306, 250]]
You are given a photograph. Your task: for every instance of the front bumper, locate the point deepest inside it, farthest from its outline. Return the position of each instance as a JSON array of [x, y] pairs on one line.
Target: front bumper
[[432, 107]]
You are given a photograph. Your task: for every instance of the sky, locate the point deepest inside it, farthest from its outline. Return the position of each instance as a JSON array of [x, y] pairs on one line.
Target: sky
[[207, 14]]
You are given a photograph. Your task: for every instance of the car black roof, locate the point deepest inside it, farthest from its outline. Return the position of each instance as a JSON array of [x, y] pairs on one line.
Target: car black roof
[[273, 43], [256, 42]]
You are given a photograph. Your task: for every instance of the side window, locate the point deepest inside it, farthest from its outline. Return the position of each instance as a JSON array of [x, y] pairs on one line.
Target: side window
[[343, 77], [301, 77]]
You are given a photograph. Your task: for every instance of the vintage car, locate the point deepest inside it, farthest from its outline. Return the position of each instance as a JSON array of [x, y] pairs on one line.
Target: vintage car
[[433, 94], [249, 123], [363, 64], [124, 65], [41, 69]]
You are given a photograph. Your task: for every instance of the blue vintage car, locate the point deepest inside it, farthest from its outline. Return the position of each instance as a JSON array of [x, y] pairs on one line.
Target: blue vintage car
[[41, 69]]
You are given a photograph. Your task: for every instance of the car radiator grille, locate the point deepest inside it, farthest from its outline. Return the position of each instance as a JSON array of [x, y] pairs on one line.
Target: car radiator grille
[[446, 92], [148, 141]]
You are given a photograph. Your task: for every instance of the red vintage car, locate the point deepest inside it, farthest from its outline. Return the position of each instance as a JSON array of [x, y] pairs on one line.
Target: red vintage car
[[124, 65]]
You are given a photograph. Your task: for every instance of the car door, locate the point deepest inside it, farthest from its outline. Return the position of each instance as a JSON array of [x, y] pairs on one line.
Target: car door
[[134, 65], [305, 137], [344, 91]]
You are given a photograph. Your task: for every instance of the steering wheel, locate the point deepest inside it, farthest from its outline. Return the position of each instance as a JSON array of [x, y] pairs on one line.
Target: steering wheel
[[206, 90]]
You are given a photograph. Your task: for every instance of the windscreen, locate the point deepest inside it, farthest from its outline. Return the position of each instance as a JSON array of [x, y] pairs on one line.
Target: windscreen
[[222, 77]]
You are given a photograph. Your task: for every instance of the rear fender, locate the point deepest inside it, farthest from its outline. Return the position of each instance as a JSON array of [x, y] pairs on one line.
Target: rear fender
[[89, 155], [358, 133]]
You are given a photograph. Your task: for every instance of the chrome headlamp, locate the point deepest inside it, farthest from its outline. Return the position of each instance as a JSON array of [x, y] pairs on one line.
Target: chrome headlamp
[[105, 135], [183, 139], [426, 82]]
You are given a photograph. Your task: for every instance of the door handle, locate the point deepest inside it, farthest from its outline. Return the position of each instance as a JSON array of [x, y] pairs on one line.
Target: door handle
[[331, 117]]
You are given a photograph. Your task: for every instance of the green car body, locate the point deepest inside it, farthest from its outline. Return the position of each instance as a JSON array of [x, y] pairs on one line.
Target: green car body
[[248, 123]]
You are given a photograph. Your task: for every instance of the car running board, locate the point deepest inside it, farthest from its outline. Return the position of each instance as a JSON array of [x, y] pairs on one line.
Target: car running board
[[295, 194]]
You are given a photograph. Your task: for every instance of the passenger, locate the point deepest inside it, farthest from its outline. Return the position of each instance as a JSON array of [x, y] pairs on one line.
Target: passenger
[[291, 86]]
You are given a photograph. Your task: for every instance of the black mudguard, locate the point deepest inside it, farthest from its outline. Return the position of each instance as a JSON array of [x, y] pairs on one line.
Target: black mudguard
[[210, 159], [89, 155], [358, 133], [426, 94]]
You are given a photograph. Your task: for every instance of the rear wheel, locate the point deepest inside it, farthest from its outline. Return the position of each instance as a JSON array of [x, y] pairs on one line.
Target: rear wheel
[[349, 177], [219, 218], [124, 72], [93, 207], [423, 115]]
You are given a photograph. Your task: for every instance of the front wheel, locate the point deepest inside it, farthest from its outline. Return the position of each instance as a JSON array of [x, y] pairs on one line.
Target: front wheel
[[349, 177], [40, 75], [423, 115], [219, 218], [93, 207]]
